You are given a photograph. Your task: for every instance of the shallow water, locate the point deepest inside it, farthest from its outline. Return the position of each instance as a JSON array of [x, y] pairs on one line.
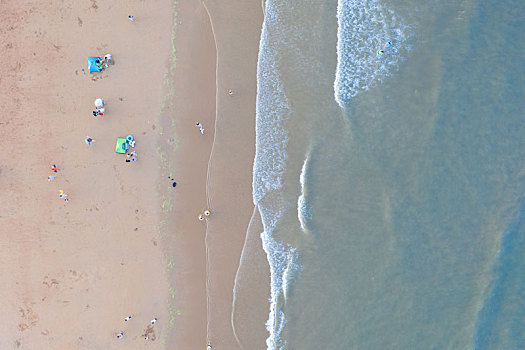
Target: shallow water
[[391, 187]]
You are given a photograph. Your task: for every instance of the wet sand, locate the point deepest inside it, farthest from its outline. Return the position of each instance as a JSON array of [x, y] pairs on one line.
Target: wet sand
[[214, 169]]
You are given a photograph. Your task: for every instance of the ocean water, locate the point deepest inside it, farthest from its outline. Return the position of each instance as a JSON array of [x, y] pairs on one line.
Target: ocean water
[[391, 184]]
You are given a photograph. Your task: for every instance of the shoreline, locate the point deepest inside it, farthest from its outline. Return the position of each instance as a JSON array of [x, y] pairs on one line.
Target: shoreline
[[207, 254]]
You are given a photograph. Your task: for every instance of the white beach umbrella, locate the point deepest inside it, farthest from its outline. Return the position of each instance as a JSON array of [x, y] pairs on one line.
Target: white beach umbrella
[[99, 102]]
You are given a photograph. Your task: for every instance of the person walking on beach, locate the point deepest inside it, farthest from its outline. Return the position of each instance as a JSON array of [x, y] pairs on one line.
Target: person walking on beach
[[54, 168], [131, 18], [120, 335], [154, 321], [88, 140], [199, 125], [127, 318]]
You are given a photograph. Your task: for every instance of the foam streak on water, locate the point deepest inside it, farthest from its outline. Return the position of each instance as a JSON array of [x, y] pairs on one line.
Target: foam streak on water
[[304, 210], [364, 27]]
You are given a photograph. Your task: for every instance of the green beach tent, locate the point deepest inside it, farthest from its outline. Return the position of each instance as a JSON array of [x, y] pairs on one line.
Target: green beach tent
[[122, 145]]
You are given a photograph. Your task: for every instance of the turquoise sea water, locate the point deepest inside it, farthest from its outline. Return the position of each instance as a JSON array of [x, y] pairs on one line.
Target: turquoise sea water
[[391, 187]]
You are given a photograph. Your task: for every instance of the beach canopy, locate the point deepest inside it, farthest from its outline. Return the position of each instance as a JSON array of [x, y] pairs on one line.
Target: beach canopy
[[122, 146], [99, 103], [93, 65]]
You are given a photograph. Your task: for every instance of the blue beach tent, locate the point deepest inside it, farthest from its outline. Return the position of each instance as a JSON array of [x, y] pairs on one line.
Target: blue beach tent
[[93, 65]]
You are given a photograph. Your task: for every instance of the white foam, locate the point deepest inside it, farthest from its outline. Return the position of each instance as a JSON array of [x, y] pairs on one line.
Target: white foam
[[304, 210], [271, 108], [364, 27], [282, 259], [269, 164]]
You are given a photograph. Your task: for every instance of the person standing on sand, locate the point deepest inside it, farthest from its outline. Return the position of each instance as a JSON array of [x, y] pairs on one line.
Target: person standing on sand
[[154, 321], [63, 195], [131, 18], [54, 168], [127, 318], [108, 59], [120, 335], [88, 140]]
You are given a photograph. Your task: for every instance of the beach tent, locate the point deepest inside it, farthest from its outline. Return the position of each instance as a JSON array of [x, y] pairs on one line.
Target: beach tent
[[93, 65], [99, 103], [122, 145]]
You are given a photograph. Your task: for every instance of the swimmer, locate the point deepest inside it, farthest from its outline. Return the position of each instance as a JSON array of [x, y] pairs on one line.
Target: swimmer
[[380, 52], [388, 43]]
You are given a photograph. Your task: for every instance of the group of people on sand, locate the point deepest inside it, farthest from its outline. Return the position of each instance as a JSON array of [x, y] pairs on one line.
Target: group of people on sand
[[61, 193], [104, 63], [131, 157], [99, 107], [146, 333]]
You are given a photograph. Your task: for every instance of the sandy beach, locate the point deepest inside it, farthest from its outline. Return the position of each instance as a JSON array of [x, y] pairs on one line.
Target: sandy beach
[[127, 242], [214, 169]]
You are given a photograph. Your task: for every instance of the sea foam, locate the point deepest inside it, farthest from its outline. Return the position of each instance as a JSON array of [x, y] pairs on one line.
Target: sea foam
[[364, 28], [304, 208], [272, 109]]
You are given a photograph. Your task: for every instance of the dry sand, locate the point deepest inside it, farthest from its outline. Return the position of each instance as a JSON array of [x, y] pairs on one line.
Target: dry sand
[[126, 242], [73, 270]]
